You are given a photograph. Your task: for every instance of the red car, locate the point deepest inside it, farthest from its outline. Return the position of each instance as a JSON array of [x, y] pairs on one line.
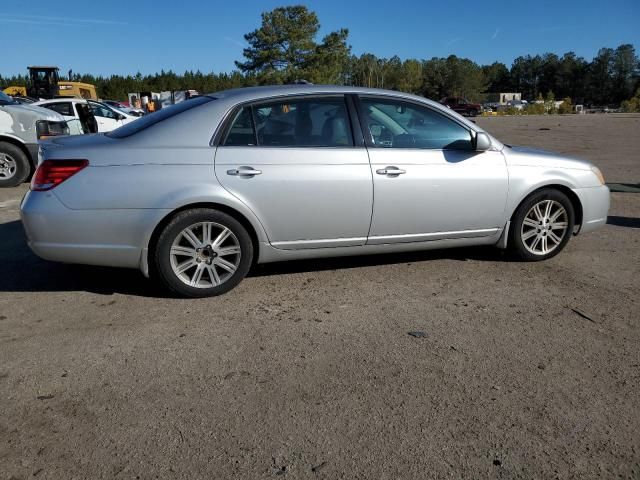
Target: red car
[[462, 106]]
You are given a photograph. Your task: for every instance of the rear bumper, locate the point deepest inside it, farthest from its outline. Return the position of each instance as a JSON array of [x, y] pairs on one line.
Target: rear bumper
[[595, 207], [114, 238]]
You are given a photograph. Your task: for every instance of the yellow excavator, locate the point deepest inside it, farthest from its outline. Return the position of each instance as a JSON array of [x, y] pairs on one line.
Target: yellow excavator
[[44, 82]]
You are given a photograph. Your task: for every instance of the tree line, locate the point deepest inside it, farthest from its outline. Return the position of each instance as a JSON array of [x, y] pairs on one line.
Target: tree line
[[285, 48]]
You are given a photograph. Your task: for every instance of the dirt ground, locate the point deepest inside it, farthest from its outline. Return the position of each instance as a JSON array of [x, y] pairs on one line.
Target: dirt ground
[[306, 370]]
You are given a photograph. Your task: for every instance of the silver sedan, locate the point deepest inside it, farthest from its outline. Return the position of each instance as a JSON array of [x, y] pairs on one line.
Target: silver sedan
[[196, 193]]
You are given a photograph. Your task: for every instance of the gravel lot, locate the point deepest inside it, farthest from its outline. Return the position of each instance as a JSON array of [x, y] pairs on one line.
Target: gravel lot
[[306, 370]]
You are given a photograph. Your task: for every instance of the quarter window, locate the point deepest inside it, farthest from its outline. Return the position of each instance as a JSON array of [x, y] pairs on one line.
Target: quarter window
[[293, 123], [241, 132], [397, 124]]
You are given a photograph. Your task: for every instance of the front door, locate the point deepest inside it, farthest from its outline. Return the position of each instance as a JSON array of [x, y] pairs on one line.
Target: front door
[[294, 163], [105, 117], [429, 182]]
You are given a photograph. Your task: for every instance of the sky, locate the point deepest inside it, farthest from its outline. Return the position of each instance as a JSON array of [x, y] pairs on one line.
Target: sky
[[125, 37]]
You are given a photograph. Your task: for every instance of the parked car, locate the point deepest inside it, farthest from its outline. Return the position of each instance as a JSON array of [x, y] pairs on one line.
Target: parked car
[[198, 192], [21, 126], [76, 111], [87, 116], [462, 106], [24, 100], [109, 118], [136, 112], [517, 104]]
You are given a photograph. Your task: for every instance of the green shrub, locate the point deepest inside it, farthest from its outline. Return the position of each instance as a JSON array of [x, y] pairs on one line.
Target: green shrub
[[535, 109], [565, 106], [632, 105]]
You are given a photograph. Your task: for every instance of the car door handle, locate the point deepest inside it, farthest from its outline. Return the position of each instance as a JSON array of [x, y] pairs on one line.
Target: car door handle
[[390, 171], [244, 172]]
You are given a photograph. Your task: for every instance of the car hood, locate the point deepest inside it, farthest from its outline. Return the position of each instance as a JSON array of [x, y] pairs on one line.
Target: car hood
[[526, 156], [34, 111]]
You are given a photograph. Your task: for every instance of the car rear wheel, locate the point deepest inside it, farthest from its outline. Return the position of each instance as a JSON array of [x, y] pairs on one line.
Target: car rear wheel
[[473, 113], [542, 225], [202, 253], [14, 165]]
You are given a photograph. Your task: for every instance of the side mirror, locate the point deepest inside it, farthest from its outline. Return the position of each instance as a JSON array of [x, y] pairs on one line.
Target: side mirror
[[119, 116], [483, 142]]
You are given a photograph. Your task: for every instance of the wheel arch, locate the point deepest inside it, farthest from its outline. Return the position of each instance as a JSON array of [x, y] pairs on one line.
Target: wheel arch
[[21, 145], [239, 216], [571, 195]]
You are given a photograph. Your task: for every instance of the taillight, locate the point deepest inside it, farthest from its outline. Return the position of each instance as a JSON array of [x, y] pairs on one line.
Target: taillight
[[52, 173], [46, 129]]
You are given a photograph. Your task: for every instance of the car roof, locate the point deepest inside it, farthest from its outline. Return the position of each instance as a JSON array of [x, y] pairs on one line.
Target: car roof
[[264, 92], [61, 99]]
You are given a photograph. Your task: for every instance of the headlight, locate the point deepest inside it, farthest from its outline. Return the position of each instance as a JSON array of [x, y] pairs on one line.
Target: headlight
[[598, 174], [46, 128]]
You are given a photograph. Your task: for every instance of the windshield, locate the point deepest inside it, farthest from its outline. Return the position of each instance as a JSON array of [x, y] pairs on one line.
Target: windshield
[[156, 117], [4, 98]]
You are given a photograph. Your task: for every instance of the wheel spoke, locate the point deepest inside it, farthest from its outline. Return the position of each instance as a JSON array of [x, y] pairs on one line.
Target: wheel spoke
[[221, 238], [223, 252], [558, 225], [183, 251], [556, 239], [547, 210], [530, 222], [197, 275], [555, 216], [538, 212], [543, 244], [184, 266], [228, 266], [206, 233], [191, 237], [535, 243], [213, 275], [529, 234]]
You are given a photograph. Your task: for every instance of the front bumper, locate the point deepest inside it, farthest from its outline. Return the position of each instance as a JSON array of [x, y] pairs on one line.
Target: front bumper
[[595, 207], [114, 238]]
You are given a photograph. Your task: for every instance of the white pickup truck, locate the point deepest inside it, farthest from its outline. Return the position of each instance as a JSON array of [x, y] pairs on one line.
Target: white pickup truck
[[21, 126]]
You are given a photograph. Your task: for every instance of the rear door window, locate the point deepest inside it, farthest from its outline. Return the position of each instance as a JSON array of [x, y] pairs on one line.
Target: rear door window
[[295, 122]]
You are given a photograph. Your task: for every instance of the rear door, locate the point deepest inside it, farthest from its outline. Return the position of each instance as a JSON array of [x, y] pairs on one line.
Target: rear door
[[294, 162], [429, 182]]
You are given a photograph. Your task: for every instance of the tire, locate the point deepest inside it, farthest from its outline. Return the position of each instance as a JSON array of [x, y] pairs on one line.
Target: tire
[[532, 235], [14, 165], [187, 261], [473, 113]]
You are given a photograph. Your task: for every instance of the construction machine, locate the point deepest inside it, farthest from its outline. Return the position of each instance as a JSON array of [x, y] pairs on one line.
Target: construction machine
[[45, 83]]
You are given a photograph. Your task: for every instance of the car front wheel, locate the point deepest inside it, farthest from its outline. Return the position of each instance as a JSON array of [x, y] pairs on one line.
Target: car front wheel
[[542, 225], [202, 253]]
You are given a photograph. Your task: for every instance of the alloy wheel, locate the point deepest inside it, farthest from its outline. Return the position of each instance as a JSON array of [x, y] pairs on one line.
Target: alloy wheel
[[544, 227], [205, 255], [8, 167]]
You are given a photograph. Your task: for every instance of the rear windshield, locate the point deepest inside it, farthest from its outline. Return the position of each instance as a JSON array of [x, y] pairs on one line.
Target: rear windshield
[[156, 117]]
